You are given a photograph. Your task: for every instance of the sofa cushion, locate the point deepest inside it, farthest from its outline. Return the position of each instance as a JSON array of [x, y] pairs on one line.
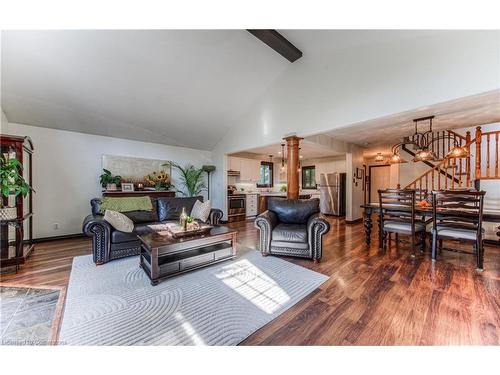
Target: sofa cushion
[[170, 208], [139, 217], [119, 221], [142, 228], [135, 216], [290, 233], [289, 245], [291, 211]]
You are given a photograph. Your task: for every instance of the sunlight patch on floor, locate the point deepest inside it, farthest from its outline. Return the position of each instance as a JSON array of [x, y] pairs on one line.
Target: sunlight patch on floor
[[188, 328], [254, 285]]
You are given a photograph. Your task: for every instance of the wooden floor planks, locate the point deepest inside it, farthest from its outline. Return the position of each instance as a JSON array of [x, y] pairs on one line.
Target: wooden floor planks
[[371, 298]]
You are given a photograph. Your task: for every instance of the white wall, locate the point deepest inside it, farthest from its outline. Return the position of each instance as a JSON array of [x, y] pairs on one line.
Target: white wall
[[4, 122], [354, 186], [66, 169], [319, 93]]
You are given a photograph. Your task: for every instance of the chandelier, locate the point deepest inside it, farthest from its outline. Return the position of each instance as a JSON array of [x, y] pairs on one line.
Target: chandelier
[[423, 144]]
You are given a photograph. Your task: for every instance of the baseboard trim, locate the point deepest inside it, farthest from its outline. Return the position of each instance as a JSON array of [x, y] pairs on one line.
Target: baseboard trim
[[55, 238], [354, 221]]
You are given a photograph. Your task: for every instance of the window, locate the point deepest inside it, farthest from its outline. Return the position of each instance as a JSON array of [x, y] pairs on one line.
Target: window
[[266, 174], [309, 177]]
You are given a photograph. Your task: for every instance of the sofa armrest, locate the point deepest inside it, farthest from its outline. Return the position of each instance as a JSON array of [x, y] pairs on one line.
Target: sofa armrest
[[266, 222], [317, 226], [215, 216], [100, 230]]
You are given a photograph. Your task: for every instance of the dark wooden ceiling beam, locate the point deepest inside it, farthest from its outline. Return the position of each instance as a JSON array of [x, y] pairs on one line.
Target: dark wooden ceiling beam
[[278, 43]]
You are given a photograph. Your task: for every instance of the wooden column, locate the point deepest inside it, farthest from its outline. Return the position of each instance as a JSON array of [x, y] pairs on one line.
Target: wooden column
[[292, 184]]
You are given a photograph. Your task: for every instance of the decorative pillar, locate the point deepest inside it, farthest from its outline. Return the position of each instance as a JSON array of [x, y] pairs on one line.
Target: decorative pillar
[[292, 184]]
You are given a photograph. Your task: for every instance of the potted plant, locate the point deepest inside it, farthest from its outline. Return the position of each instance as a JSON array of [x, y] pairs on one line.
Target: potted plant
[[160, 181], [191, 178], [108, 181], [12, 183]]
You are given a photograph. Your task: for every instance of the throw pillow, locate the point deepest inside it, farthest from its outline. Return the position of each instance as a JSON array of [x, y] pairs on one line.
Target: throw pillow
[[119, 221], [201, 211]]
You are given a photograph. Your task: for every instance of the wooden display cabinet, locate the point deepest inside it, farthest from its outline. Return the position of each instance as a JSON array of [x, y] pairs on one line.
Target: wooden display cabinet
[[16, 242]]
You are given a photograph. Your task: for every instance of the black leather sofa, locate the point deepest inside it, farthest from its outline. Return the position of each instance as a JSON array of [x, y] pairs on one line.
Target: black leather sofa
[[109, 243], [292, 228]]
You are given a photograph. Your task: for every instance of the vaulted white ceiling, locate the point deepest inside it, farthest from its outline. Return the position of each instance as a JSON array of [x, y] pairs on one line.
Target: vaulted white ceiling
[[190, 87], [182, 88]]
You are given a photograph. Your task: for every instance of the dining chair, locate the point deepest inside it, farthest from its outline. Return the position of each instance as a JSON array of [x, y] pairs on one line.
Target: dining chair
[[397, 215], [458, 215]]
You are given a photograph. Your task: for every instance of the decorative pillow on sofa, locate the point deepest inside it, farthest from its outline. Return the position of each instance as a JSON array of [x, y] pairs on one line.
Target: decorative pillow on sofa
[[201, 211], [119, 221]]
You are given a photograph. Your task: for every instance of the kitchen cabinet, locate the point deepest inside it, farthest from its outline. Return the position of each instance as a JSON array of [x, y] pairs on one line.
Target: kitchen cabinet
[[249, 168], [234, 164], [251, 205]]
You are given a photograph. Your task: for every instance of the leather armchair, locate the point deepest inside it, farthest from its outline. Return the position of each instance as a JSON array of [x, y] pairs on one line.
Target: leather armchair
[[292, 228]]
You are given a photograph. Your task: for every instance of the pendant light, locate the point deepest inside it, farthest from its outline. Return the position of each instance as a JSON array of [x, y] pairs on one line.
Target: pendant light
[[458, 153], [396, 159], [379, 157], [282, 156]]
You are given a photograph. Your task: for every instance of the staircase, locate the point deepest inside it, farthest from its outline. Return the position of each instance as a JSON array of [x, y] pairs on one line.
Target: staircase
[[459, 173]]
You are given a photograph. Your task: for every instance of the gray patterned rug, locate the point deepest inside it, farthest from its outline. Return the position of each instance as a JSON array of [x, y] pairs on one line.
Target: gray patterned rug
[[115, 304]]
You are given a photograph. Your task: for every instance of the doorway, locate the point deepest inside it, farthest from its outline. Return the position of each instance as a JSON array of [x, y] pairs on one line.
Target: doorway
[[379, 177]]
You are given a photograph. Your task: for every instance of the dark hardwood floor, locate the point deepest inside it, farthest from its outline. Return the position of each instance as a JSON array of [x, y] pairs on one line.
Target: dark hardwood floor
[[371, 298]]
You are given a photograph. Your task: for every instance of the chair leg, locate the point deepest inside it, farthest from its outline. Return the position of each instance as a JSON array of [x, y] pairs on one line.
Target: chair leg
[[479, 255], [422, 245], [434, 246], [440, 246], [413, 245], [389, 241], [396, 235]]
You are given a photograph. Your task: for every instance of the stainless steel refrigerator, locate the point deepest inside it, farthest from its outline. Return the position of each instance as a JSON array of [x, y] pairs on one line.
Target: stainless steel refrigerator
[[332, 189]]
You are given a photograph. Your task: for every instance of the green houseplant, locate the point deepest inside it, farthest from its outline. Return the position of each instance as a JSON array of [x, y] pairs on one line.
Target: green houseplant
[[12, 183], [108, 181], [191, 178]]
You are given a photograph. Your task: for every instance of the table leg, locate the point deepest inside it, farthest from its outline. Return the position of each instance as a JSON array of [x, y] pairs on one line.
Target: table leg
[[368, 225]]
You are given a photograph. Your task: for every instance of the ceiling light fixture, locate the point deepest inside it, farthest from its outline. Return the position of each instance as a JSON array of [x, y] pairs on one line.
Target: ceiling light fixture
[[379, 157], [396, 159], [282, 152], [423, 143]]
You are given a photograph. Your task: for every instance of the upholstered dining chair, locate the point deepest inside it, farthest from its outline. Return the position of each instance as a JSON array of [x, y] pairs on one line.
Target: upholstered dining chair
[[397, 215], [458, 215]]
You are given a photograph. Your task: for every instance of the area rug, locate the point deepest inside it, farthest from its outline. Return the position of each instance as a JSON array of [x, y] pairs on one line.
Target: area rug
[[115, 304]]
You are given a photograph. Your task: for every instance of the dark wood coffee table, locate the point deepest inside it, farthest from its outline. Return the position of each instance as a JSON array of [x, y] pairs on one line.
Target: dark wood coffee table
[[163, 255]]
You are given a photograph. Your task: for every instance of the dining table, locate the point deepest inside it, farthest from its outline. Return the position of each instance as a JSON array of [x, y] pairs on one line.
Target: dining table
[[492, 216]]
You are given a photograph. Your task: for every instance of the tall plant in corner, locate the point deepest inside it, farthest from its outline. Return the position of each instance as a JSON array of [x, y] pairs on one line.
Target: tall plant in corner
[[12, 183], [191, 178]]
